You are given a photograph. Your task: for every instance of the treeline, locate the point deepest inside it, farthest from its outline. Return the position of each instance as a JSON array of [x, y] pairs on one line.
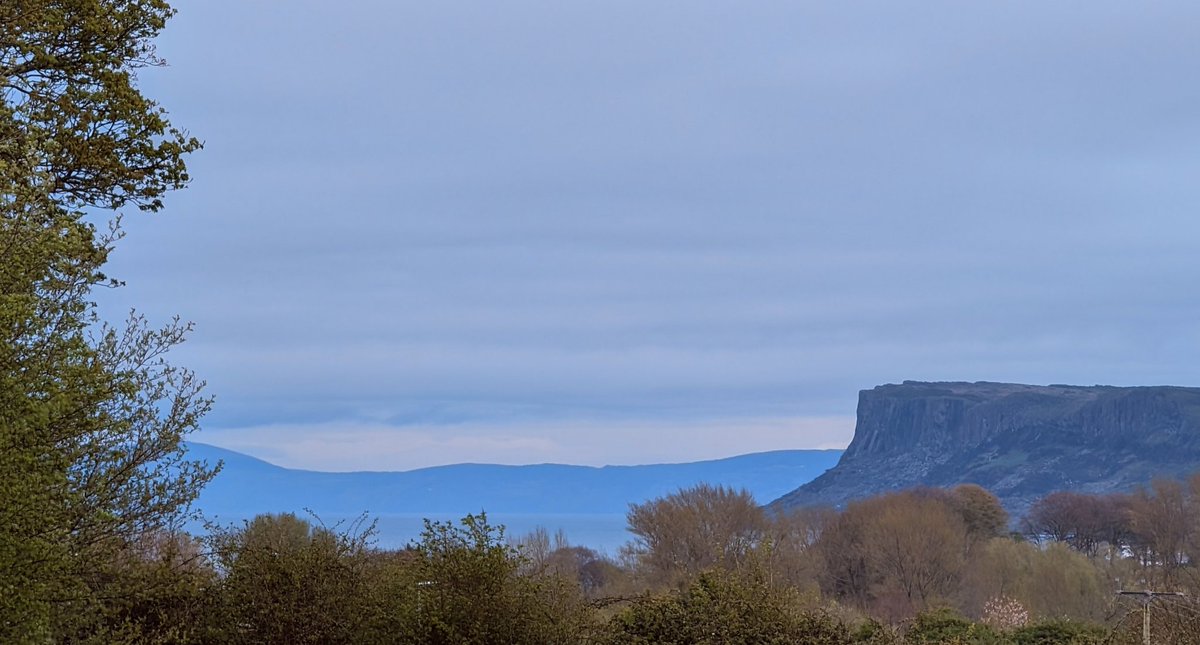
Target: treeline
[[1154, 532], [706, 565]]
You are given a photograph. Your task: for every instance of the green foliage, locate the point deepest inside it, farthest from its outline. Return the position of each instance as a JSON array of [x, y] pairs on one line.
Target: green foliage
[[91, 424], [90, 420], [72, 119], [722, 607], [981, 511], [1064, 584], [947, 627], [287, 581], [1059, 632], [462, 585], [872, 632], [157, 590]]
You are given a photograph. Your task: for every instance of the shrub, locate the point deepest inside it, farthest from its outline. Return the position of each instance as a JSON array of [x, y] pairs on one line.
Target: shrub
[[947, 627], [1060, 632], [728, 608]]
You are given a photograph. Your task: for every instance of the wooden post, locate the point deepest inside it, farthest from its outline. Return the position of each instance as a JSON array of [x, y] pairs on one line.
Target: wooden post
[[1146, 597], [1146, 621]]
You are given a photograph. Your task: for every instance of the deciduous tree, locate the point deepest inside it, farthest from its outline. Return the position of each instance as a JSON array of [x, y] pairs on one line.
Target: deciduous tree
[[981, 511], [288, 581], [695, 529], [918, 544], [462, 585], [91, 419], [1161, 524]]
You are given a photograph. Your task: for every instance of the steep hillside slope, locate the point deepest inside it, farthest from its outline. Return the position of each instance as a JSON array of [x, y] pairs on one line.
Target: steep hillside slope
[[1020, 441]]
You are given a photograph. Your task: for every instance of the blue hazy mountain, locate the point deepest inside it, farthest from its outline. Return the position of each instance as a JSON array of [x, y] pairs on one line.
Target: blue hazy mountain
[[248, 486]]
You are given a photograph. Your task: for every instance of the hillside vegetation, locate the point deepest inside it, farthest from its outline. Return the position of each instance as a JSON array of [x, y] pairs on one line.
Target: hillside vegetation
[[1020, 441]]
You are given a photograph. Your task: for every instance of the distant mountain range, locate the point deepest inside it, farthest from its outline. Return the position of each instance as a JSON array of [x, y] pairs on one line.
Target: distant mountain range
[[248, 486], [1019, 441]]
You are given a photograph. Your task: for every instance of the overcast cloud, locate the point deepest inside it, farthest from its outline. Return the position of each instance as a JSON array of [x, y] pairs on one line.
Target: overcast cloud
[[620, 232]]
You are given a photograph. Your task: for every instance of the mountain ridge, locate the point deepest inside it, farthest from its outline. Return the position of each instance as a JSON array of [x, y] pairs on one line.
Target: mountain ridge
[[249, 485]]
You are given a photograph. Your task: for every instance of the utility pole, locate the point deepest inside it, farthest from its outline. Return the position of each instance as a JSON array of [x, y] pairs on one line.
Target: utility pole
[[1146, 597]]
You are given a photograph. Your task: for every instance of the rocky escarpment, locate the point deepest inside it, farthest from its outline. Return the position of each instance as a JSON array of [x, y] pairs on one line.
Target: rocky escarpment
[[1019, 441]]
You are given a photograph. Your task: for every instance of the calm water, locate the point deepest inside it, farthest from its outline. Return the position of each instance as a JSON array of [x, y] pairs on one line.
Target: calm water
[[605, 533], [600, 532]]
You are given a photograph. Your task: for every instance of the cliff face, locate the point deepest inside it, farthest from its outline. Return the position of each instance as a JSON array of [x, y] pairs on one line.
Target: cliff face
[[1019, 441]]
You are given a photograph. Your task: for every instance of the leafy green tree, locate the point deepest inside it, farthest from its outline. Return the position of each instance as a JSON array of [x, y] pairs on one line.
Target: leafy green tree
[[287, 581], [998, 568], [157, 590], [91, 419], [462, 584], [73, 121], [981, 511], [1064, 584]]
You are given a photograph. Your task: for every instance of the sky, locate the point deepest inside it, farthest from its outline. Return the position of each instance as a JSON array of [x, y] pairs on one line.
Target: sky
[[634, 232]]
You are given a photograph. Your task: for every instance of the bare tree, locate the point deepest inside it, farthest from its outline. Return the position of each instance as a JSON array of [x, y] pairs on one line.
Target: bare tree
[[695, 529], [917, 544], [1162, 525], [793, 537]]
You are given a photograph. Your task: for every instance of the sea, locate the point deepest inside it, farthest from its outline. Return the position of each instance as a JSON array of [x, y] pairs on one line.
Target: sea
[[603, 533]]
